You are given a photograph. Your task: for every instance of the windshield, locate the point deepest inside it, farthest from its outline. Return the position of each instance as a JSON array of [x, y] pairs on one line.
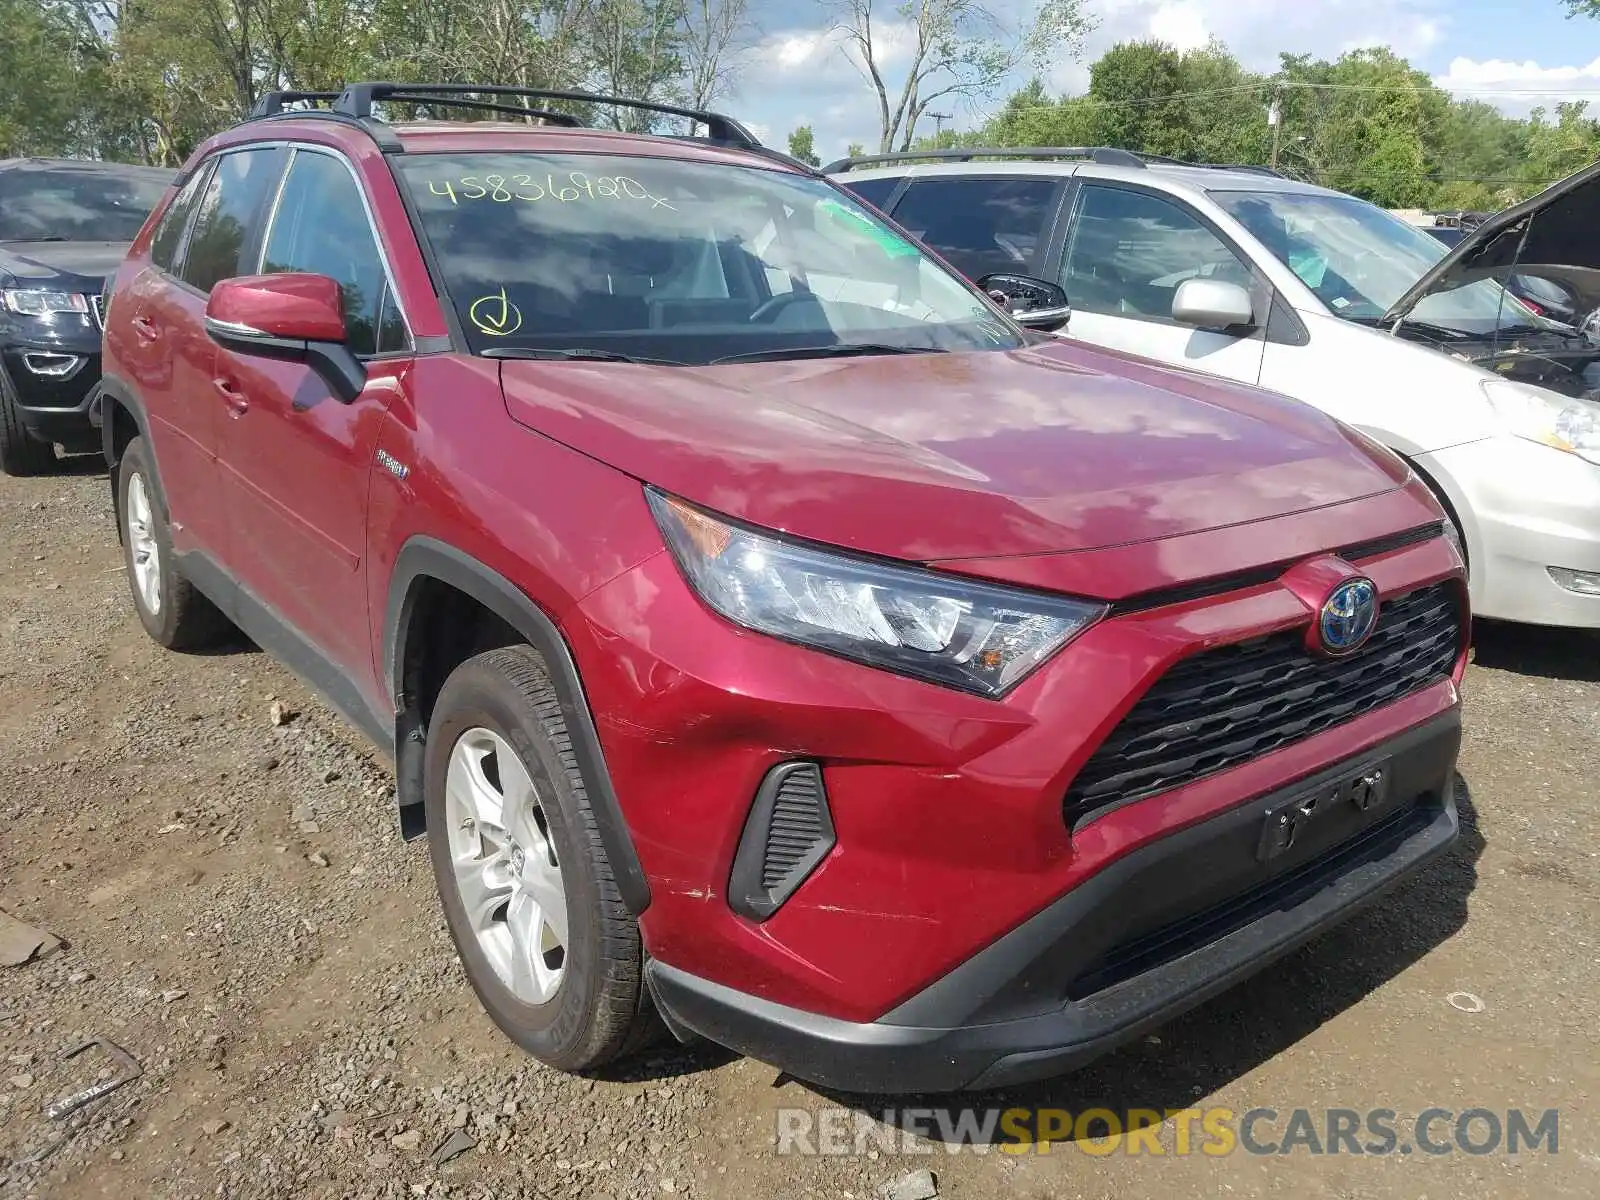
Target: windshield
[[679, 261], [1359, 259], [86, 205]]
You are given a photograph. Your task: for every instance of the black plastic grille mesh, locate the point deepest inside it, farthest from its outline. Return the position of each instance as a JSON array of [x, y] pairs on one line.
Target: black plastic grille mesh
[[1229, 705], [797, 825]]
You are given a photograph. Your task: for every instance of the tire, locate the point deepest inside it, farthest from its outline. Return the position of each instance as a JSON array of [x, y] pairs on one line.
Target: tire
[[20, 452], [586, 1006], [171, 609]]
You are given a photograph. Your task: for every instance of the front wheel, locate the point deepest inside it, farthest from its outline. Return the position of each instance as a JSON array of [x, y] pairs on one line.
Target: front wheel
[[528, 892], [20, 452]]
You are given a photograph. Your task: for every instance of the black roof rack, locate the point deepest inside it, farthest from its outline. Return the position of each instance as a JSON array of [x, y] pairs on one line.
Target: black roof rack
[[1101, 154], [357, 100], [273, 103], [1111, 156]]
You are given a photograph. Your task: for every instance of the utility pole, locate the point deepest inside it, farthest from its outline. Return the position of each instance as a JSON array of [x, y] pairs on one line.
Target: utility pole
[[938, 122], [1275, 119]]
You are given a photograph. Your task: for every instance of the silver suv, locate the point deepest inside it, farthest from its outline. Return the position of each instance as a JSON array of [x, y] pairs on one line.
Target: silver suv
[[1241, 272]]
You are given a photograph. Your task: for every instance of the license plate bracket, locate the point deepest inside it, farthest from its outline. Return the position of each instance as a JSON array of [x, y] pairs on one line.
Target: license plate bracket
[[1362, 789]]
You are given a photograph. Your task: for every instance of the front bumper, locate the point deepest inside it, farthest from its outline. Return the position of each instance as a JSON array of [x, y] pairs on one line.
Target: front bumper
[[1525, 508], [947, 809], [55, 407], [1155, 933]]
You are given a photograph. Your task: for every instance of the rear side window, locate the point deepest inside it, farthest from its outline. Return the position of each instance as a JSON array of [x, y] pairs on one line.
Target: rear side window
[[875, 192], [981, 226], [169, 234], [321, 226], [227, 213]]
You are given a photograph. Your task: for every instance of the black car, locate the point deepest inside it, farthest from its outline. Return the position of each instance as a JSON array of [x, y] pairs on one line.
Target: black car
[[64, 226]]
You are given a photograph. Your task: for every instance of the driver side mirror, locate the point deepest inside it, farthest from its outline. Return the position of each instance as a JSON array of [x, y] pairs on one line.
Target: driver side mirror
[[1033, 303], [1213, 304], [294, 317]]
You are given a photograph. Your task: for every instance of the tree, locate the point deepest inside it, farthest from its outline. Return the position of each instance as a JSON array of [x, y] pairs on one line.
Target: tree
[[715, 36], [855, 150], [951, 48], [1481, 153], [37, 102], [1130, 84], [1367, 124], [1586, 8], [1031, 117], [1555, 149], [636, 54], [1200, 105], [802, 146]]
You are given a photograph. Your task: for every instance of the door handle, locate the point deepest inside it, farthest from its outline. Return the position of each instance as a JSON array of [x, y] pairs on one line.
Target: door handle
[[145, 329], [232, 397]]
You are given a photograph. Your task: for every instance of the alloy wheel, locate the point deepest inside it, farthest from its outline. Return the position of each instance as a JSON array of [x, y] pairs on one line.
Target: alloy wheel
[[505, 865], [143, 553]]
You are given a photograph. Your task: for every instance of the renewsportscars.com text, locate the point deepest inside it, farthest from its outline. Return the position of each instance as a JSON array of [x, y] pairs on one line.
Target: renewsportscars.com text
[[1215, 1132]]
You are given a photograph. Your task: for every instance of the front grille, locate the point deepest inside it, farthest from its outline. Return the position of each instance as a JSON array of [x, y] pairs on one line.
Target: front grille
[[1227, 706]]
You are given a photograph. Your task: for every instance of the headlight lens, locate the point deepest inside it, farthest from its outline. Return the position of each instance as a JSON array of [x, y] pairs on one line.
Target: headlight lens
[[1547, 418], [939, 628], [30, 302]]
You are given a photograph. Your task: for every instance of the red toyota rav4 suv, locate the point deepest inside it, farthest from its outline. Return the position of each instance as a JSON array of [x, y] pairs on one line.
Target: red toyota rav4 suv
[[770, 631]]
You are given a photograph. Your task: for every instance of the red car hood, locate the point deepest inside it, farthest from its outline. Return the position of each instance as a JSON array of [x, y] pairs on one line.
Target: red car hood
[[942, 456]]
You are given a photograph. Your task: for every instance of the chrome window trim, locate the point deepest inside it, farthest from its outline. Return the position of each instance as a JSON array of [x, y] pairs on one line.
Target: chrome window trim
[[295, 150]]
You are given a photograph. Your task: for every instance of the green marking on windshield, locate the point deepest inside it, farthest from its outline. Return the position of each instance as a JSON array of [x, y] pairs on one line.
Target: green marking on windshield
[[892, 243], [1310, 266]]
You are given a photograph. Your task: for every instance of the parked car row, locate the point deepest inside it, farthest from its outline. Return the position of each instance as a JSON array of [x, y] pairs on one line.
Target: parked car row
[[777, 638], [64, 226], [1245, 274]]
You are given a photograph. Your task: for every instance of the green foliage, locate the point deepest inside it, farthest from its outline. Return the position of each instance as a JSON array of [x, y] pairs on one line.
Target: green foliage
[[1365, 123], [38, 61], [148, 80], [802, 144], [1559, 147]]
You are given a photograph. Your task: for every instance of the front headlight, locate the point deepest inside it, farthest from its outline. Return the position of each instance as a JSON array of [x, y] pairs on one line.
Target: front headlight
[[33, 302], [1546, 417], [940, 628]]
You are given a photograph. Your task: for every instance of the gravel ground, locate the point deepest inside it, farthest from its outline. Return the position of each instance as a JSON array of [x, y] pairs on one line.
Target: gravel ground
[[239, 913]]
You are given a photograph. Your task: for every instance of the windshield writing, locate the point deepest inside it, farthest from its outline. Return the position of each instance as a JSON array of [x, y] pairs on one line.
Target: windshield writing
[[682, 261]]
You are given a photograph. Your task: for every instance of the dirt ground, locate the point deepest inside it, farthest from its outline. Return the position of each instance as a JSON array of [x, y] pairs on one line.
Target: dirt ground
[[240, 915]]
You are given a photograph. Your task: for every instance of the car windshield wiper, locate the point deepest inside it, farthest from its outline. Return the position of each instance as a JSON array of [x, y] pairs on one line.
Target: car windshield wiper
[[841, 350], [576, 354], [49, 237], [1440, 331]]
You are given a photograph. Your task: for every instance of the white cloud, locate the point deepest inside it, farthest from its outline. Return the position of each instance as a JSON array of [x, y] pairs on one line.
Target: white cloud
[[1519, 86], [1182, 25], [794, 50], [1257, 30]]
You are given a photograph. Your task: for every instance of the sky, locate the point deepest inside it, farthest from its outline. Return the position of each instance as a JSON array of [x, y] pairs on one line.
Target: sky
[[1510, 53]]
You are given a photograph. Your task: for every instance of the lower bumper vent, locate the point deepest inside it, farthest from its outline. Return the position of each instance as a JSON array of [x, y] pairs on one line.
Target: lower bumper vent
[[789, 831]]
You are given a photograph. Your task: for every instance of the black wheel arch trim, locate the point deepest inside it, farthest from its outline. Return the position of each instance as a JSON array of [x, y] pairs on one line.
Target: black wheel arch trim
[[428, 558], [116, 393]]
